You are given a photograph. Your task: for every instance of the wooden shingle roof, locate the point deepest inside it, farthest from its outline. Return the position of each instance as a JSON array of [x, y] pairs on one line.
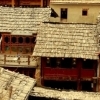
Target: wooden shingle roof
[[22, 20], [66, 40], [21, 85]]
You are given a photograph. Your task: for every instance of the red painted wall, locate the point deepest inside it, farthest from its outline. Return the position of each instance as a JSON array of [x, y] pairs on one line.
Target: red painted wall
[[49, 73]]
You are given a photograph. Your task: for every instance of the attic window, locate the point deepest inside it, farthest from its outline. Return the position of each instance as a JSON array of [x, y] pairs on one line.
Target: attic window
[[84, 12], [63, 13]]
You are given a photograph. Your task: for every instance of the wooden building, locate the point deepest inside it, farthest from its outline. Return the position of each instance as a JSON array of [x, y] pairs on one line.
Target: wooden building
[[15, 86], [18, 31], [68, 53], [25, 3]]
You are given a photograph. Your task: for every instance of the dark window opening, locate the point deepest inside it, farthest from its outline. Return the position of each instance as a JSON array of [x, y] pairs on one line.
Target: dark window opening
[[63, 13], [48, 62], [84, 12], [27, 40], [58, 62], [61, 62], [20, 40], [87, 86], [88, 64], [53, 62], [33, 39], [31, 74], [13, 39], [6, 39], [68, 63]]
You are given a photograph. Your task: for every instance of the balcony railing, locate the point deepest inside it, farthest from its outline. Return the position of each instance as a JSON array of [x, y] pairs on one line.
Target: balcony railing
[[13, 61]]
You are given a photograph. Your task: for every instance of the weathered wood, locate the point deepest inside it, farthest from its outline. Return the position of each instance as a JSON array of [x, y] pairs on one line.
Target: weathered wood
[[13, 3]]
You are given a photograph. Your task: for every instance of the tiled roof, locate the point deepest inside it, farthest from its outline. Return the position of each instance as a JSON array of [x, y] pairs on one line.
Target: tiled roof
[[75, 1], [21, 85], [22, 20], [66, 40], [98, 31]]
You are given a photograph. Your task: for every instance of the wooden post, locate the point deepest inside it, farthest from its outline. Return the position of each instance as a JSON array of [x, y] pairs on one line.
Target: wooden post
[[78, 84], [28, 60], [10, 92], [13, 3], [98, 75], [4, 59], [41, 3]]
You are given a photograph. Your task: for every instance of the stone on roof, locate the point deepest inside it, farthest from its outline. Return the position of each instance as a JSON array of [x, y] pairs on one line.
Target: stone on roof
[[17, 85], [66, 40], [22, 20]]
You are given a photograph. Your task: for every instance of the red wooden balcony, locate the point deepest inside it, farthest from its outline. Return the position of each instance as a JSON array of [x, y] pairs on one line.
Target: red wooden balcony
[[87, 73], [60, 74]]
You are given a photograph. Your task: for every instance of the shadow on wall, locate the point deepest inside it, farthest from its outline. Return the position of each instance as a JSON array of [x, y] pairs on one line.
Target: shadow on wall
[[40, 98]]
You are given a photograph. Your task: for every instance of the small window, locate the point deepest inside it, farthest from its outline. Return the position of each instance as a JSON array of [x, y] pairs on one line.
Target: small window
[[63, 13], [68, 63], [20, 40], [6, 39], [87, 64], [84, 12], [13, 39]]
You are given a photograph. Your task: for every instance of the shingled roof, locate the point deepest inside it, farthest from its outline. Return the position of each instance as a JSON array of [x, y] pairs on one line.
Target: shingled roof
[[17, 85], [22, 20], [66, 40], [75, 1]]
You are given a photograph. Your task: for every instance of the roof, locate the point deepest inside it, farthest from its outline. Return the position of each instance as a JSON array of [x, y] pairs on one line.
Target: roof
[[75, 1], [21, 85], [64, 94], [66, 40], [22, 20]]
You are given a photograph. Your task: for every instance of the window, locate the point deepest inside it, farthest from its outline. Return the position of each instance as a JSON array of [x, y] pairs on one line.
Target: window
[[68, 63], [53, 62], [48, 62], [63, 13], [20, 40], [88, 64], [6, 39], [84, 12], [13, 39]]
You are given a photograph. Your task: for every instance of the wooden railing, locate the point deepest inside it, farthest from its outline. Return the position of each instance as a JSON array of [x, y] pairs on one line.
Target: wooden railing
[[23, 60]]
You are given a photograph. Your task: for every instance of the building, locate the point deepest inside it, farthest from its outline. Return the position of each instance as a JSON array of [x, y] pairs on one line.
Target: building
[[68, 56], [75, 11], [18, 30], [25, 3], [15, 86], [68, 46]]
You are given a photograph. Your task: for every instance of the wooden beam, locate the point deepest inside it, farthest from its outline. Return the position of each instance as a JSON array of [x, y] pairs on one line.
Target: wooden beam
[[41, 3], [13, 3]]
